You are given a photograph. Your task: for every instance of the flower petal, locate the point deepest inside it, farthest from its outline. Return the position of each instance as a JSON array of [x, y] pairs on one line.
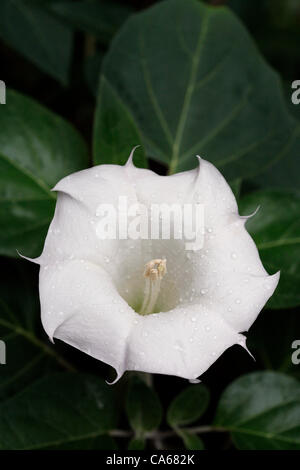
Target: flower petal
[[81, 306], [184, 342]]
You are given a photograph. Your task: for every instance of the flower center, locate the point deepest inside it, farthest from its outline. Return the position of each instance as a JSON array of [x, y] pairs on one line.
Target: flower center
[[153, 274]]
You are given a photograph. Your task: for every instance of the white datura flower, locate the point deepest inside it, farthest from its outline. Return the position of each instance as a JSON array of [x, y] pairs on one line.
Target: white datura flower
[[150, 305]]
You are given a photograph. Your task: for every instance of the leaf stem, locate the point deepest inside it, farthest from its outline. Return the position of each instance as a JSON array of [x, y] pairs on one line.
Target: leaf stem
[[169, 433]]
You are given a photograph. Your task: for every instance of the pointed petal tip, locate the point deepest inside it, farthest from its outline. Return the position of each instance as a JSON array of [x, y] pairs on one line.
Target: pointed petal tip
[[246, 217], [194, 381], [119, 375], [130, 158], [275, 278], [32, 260], [242, 343]]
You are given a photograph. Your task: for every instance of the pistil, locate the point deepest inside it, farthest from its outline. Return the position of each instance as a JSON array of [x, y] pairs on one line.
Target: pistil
[[154, 273]]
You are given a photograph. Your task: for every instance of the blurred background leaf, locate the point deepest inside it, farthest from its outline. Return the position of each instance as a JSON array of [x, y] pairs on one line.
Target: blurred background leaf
[[271, 337], [262, 411], [143, 407], [58, 410], [37, 149], [101, 18], [225, 104], [27, 27], [188, 406], [136, 444], [191, 441], [28, 357], [276, 231]]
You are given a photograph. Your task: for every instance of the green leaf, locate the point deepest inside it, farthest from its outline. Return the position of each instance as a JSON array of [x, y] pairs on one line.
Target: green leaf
[[27, 357], [263, 340], [136, 444], [115, 132], [143, 407], [262, 411], [236, 187], [285, 173], [37, 149], [194, 83], [56, 411], [188, 406], [191, 441], [31, 30], [276, 231], [101, 18]]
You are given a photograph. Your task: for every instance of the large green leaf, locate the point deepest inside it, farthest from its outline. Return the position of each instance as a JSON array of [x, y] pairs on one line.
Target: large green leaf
[[115, 132], [285, 172], [188, 406], [276, 231], [37, 148], [262, 411], [189, 80], [143, 407], [31, 30], [58, 410], [99, 17]]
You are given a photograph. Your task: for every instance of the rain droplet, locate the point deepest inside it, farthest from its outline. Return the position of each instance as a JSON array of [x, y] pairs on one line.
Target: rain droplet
[[233, 255], [237, 301]]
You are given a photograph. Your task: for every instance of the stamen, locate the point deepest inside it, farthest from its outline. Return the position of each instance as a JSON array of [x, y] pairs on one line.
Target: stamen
[[154, 272]]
